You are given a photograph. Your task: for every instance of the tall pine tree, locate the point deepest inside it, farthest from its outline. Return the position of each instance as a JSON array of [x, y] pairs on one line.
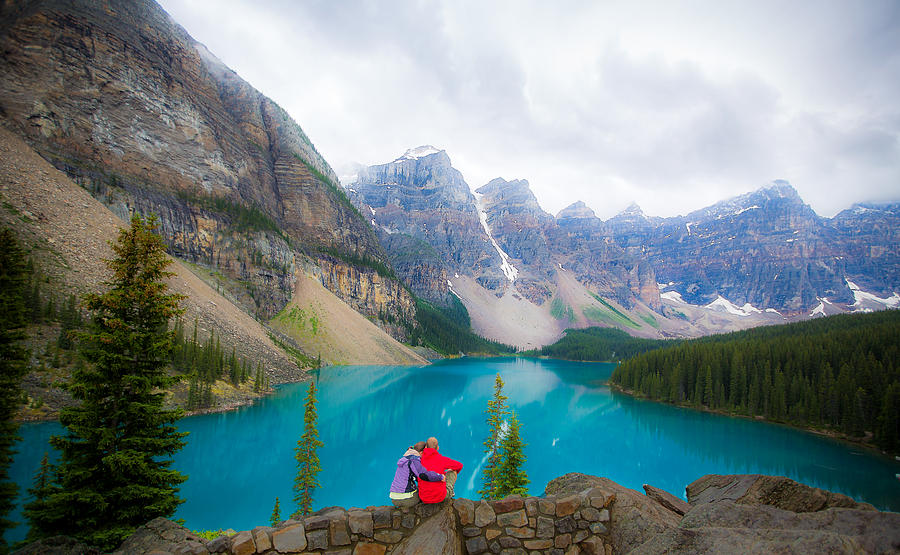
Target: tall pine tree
[[496, 412], [511, 477], [13, 361], [114, 471], [308, 466]]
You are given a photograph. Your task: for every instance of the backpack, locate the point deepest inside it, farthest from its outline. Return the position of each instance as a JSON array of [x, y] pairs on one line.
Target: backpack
[[411, 483]]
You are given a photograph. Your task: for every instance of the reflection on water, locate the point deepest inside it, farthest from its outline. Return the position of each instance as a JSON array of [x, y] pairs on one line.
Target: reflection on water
[[239, 462]]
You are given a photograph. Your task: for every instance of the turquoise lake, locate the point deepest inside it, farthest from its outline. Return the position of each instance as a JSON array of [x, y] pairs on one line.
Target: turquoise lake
[[238, 462]]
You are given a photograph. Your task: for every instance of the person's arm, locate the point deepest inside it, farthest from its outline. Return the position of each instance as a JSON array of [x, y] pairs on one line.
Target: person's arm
[[450, 464], [423, 474]]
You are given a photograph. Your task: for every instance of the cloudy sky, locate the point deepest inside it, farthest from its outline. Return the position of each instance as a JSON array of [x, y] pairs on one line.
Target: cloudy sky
[[673, 105]]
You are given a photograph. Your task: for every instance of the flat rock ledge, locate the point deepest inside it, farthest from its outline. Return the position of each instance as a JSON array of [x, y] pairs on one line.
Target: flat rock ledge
[[578, 514]]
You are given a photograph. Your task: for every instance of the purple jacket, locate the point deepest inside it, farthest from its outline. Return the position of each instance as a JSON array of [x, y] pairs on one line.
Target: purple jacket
[[403, 481]]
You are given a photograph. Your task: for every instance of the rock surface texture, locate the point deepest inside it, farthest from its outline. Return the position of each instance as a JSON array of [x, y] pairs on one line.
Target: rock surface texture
[[123, 100], [577, 514]]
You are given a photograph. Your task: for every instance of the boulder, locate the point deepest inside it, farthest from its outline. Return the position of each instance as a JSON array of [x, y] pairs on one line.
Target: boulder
[[634, 518], [777, 491], [161, 534], [732, 527], [438, 535], [56, 545]]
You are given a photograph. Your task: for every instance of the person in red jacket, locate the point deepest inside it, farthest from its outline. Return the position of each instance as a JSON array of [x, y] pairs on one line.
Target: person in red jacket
[[435, 492]]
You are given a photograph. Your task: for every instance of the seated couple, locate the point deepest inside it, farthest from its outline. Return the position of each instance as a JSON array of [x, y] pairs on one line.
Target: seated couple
[[435, 474]]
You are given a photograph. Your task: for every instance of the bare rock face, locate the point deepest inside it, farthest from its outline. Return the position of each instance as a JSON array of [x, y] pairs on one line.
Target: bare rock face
[[56, 545], [767, 248], [423, 201], [635, 518], [667, 500], [439, 535], [123, 100], [730, 527], [777, 491], [162, 535], [773, 514], [601, 264]]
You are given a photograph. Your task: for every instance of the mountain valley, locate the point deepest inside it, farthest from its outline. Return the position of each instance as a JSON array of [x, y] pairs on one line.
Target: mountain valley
[[131, 108]]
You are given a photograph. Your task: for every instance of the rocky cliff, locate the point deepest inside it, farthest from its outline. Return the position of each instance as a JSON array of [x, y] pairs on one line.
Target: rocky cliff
[[577, 514], [767, 249], [421, 196], [123, 100], [523, 275]]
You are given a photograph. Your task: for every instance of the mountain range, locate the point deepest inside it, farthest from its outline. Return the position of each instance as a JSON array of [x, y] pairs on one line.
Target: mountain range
[[121, 100], [525, 275]]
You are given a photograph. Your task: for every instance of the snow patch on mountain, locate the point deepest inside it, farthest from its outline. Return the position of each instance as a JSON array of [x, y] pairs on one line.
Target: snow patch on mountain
[[819, 310], [860, 296], [510, 271], [724, 305], [418, 152], [674, 296]]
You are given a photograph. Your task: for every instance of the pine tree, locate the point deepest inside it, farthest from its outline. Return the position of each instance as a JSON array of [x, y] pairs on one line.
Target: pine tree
[[511, 478], [42, 487], [13, 361], [308, 466], [276, 514], [496, 412], [114, 472]]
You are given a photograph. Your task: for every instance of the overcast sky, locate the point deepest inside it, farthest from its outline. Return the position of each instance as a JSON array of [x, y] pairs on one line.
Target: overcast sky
[[673, 105]]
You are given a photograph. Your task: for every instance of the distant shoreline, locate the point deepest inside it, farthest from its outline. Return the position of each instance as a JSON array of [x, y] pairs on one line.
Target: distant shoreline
[[864, 442]]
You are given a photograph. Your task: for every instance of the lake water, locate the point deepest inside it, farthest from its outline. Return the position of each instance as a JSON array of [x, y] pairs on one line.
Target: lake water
[[238, 462]]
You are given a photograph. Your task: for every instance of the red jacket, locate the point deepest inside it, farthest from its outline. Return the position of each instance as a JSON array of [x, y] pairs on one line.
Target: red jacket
[[435, 492]]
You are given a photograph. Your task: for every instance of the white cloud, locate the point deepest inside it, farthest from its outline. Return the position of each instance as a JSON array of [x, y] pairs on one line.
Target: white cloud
[[672, 105]]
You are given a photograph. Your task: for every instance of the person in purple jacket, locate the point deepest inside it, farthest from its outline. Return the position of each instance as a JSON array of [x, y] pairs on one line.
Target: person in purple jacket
[[404, 488]]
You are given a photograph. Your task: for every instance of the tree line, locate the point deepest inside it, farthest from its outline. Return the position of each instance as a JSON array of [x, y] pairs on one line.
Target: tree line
[[599, 344], [840, 373]]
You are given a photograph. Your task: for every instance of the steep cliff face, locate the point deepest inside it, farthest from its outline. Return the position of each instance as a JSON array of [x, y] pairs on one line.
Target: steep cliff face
[[123, 100], [869, 235], [422, 197], [766, 248], [600, 263]]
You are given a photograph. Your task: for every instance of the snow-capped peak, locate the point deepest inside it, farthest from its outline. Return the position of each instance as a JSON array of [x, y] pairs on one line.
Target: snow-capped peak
[[418, 152]]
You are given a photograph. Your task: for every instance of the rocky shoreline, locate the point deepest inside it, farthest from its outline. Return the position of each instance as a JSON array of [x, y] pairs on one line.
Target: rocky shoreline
[[577, 514]]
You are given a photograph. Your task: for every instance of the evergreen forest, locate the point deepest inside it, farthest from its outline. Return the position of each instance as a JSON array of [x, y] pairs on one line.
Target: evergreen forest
[[840, 373], [599, 344], [448, 330]]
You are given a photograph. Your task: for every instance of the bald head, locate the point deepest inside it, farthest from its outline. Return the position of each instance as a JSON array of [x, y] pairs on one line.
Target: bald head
[[432, 443]]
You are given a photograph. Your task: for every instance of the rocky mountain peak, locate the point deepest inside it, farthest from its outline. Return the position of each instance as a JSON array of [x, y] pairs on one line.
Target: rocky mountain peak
[[425, 152], [576, 211], [780, 188], [512, 197], [633, 210]]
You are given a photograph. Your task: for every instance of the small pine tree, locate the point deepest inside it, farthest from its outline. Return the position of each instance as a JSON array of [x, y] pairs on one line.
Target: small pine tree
[[276, 514], [511, 477], [257, 380], [308, 466], [13, 361], [43, 486], [496, 412], [114, 473]]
